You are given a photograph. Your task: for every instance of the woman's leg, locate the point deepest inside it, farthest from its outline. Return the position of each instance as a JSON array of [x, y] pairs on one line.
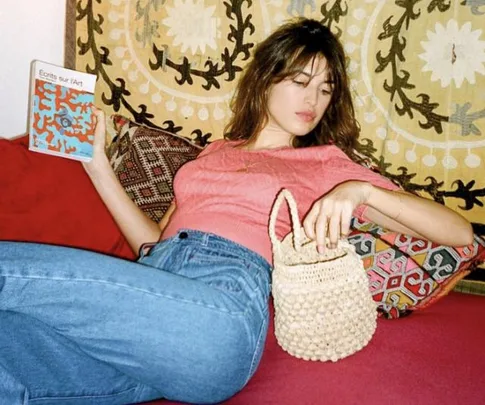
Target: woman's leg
[[56, 369], [193, 339]]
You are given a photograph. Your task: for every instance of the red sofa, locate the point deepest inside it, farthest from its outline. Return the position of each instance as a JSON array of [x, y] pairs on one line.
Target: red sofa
[[433, 356]]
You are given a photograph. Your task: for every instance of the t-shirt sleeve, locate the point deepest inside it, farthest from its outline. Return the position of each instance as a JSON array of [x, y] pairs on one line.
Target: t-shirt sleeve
[[349, 170]]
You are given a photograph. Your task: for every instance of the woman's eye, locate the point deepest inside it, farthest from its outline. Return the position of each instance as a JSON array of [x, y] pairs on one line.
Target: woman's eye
[[300, 83], [326, 91]]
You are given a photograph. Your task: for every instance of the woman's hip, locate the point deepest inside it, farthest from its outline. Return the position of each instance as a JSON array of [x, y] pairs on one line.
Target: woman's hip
[[215, 261]]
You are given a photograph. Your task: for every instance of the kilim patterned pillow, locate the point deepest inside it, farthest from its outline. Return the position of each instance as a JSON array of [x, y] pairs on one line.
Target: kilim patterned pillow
[[407, 273], [145, 161]]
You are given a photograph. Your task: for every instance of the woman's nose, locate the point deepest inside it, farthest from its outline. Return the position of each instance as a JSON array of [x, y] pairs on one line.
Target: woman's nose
[[311, 96]]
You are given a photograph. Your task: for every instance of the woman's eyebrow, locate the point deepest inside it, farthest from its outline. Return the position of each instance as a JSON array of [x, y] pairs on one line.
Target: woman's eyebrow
[[309, 75]]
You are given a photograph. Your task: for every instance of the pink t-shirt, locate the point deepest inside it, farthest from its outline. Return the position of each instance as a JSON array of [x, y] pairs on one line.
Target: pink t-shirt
[[229, 191]]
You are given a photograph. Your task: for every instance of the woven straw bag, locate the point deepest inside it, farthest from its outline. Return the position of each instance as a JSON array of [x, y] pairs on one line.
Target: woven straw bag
[[323, 307]]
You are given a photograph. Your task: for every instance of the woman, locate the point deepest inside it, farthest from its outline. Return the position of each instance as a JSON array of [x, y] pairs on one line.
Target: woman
[[188, 321]]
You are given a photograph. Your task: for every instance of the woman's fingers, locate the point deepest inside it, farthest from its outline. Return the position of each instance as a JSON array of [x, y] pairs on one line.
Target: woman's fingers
[[345, 218], [315, 226], [328, 219], [321, 231], [100, 130], [334, 229], [309, 221], [99, 154]]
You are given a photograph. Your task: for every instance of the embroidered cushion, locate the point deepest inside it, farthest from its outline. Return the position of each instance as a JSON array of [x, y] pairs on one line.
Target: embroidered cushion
[[145, 161], [408, 273]]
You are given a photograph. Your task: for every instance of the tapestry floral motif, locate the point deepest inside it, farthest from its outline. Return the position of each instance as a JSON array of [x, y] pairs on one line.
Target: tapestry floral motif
[[453, 53], [192, 25]]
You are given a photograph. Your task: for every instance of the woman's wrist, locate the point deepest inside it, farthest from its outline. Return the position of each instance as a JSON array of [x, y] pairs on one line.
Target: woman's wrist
[[368, 190], [389, 203], [98, 168]]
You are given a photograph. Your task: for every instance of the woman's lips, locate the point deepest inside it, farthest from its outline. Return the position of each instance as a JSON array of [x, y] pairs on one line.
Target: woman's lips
[[306, 116]]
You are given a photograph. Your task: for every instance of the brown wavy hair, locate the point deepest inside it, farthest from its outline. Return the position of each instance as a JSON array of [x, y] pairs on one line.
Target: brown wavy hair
[[281, 56]]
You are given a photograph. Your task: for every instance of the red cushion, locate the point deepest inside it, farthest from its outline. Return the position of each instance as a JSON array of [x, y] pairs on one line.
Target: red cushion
[[436, 356], [49, 199]]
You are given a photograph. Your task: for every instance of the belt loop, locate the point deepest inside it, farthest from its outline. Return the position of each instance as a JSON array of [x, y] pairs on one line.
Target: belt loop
[[205, 239]]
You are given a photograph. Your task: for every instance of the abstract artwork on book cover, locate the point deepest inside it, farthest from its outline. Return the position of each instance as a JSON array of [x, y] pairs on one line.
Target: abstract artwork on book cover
[[62, 119]]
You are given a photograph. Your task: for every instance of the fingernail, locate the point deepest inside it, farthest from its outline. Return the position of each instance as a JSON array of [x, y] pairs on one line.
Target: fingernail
[[320, 249]]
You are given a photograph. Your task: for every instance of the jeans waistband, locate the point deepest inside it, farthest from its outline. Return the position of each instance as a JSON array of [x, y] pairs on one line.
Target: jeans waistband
[[217, 242], [210, 240]]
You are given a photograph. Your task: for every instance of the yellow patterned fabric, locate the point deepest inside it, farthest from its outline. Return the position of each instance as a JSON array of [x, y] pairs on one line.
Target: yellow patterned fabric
[[417, 69]]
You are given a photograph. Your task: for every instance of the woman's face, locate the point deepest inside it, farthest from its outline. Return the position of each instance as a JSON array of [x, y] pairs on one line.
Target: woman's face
[[297, 104]]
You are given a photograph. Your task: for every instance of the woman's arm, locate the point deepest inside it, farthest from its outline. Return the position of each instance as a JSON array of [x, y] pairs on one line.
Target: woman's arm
[[394, 210], [406, 213], [137, 227]]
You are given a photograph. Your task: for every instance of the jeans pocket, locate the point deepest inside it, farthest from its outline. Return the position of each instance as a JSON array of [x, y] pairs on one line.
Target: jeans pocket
[[220, 270]]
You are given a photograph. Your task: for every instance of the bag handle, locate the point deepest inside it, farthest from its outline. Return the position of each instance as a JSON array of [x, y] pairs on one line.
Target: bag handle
[[282, 195]]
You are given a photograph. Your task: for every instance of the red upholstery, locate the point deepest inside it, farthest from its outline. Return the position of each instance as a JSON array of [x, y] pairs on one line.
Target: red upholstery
[[435, 356], [51, 200]]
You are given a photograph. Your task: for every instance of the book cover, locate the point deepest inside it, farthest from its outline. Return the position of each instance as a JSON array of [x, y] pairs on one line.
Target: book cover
[[61, 121]]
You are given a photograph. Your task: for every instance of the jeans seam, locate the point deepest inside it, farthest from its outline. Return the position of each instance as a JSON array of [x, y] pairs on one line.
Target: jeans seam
[[132, 288], [259, 341], [139, 390], [63, 398]]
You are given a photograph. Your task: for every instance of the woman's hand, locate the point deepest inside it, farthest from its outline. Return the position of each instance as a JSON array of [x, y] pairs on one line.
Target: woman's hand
[[330, 215], [99, 160]]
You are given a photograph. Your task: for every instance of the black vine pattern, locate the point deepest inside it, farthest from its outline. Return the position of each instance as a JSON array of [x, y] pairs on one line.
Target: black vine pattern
[[333, 15], [400, 79], [101, 57], [119, 93], [442, 5], [432, 188], [240, 52], [227, 68], [215, 70]]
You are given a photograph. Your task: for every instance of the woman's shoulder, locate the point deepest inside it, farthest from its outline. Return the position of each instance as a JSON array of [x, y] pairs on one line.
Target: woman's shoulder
[[214, 146]]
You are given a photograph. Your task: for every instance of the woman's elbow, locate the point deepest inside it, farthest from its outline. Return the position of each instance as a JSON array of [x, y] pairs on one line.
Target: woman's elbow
[[463, 235], [469, 234]]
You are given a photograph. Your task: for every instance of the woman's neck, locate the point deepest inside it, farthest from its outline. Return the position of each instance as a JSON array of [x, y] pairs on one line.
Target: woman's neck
[[267, 142]]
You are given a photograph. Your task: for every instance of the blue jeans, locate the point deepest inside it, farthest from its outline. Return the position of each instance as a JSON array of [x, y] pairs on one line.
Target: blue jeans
[[186, 322]]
